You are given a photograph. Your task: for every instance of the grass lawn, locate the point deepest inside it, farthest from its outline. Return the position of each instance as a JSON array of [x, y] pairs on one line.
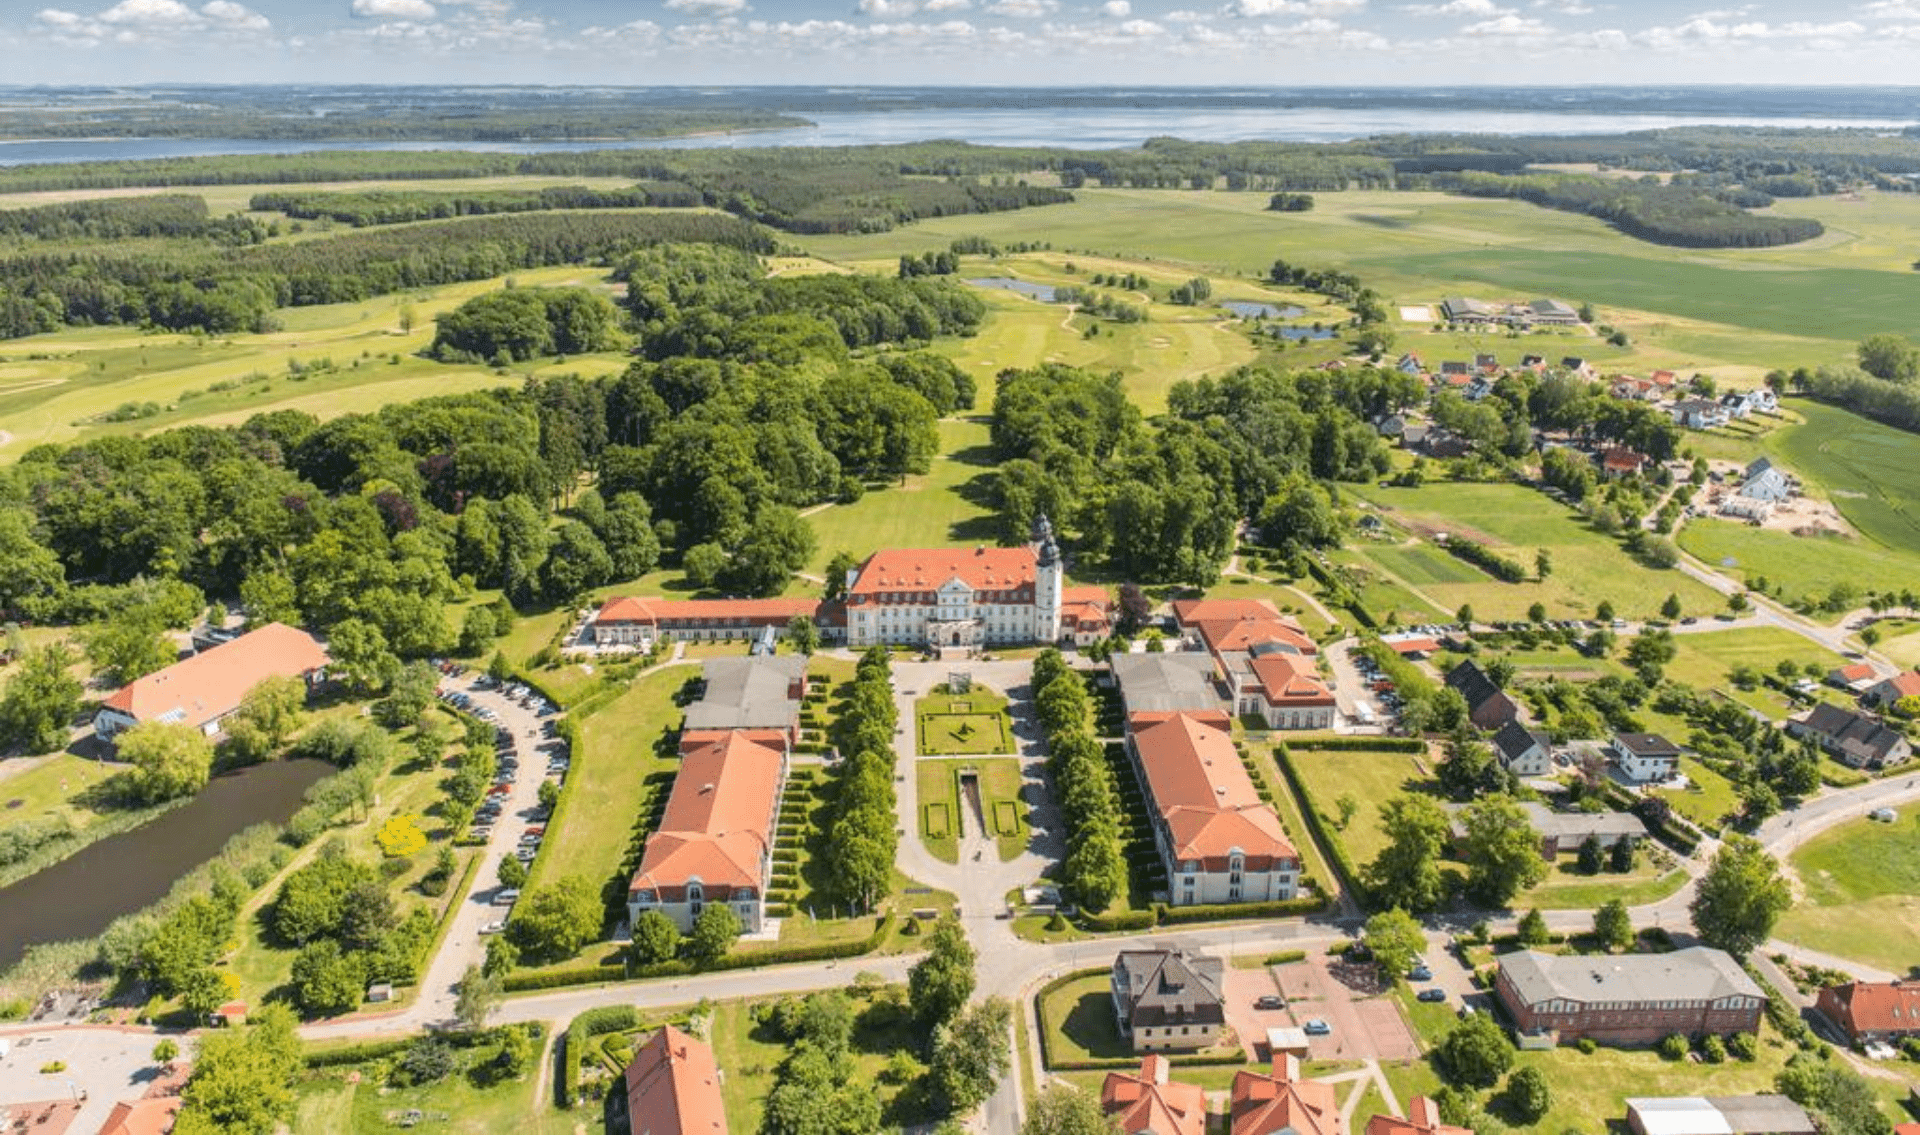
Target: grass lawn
[[936, 509], [617, 770], [1420, 564], [1860, 893], [1006, 812], [1566, 888], [940, 820], [1707, 799], [1370, 778], [966, 724], [1286, 598], [1867, 469], [63, 785], [1794, 566], [750, 1056], [1702, 660], [1078, 1019], [1385, 595], [327, 1102], [1588, 565]]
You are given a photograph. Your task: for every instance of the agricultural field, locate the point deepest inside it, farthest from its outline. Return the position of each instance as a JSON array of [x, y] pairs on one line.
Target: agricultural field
[[1859, 893], [1867, 469]]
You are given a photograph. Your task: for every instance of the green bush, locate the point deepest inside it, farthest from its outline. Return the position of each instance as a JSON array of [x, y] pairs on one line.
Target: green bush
[[1674, 1047], [1284, 958], [1714, 1049], [1587, 1045], [1743, 1046]]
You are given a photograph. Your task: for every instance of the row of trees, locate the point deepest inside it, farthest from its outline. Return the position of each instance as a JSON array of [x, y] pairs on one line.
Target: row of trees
[[393, 206], [856, 856], [1095, 870], [1679, 215]]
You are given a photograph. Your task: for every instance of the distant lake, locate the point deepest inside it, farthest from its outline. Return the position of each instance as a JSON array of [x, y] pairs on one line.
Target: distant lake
[[1077, 127], [1247, 309], [1042, 292]]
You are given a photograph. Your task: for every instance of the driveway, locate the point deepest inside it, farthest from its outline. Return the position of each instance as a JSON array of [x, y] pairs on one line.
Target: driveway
[[103, 1067], [1364, 1027]]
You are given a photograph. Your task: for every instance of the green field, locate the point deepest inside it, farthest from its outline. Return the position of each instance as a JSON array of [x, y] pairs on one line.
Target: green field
[[937, 509], [1861, 894], [1866, 468], [1702, 660], [940, 819], [1420, 564], [1370, 778], [346, 1101]]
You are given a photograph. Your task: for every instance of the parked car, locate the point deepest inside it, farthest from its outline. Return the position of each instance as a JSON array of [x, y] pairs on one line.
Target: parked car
[[1431, 993], [506, 897], [1317, 1027], [1270, 1001], [494, 927], [1884, 815], [1420, 972]]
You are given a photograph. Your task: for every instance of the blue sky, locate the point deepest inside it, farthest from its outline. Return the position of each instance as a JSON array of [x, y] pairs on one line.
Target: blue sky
[[1036, 42]]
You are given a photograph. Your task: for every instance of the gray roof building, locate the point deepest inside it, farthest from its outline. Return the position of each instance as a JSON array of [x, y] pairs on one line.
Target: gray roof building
[[1560, 831], [1157, 988], [1166, 683], [1720, 1115], [750, 693], [1695, 974]]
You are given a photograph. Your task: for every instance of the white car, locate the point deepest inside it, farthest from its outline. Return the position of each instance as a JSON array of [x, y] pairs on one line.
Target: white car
[[494, 927]]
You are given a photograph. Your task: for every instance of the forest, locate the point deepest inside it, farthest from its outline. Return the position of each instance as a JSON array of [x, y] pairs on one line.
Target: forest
[[380, 207], [1682, 215]]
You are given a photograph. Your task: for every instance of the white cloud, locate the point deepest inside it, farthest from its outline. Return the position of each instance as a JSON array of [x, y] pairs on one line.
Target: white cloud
[[1508, 25], [1566, 7], [149, 13], [133, 21], [1140, 28], [1892, 10], [394, 9], [1457, 8], [708, 7], [888, 9], [1719, 28], [1118, 9], [1257, 9], [1023, 9]]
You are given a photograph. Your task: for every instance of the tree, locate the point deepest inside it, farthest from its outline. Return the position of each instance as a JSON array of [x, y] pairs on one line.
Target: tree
[[1740, 897], [269, 715], [40, 701], [556, 920], [131, 644], [1464, 616], [1604, 611], [326, 980], [428, 1060], [803, 635], [1889, 357], [1475, 1054], [1406, 873], [169, 759], [516, 1053], [166, 1052], [1470, 769], [1537, 613], [940, 983], [1396, 942], [242, 1082], [360, 655], [1620, 859], [714, 933], [203, 991], [1527, 1096], [1671, 608], [1613, 925], [1532, 929], [1065, 1110], [1591, 857], [1501, 849], [1346, 805], [477, 997], [838, 568], [970, 1055], [1542, 566], [655, 938]]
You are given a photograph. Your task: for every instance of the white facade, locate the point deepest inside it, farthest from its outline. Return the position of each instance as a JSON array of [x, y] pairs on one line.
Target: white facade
[[1640, 767], [956, 598], [1195, 885]]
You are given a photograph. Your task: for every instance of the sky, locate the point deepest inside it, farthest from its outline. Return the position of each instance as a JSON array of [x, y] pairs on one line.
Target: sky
[[960, 42]]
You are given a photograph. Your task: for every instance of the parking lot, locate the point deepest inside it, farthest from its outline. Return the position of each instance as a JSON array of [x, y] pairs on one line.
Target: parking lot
[[1360, 1027]]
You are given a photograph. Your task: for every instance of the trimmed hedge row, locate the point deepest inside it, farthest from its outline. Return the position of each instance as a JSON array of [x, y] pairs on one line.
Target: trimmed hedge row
[[604, 974], [1283, 908], [357, 1053], [594, 1022], [1360, 744], [1046, 1055], [1335, 851]]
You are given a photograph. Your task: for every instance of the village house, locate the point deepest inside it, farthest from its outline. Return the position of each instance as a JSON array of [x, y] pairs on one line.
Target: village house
[[1563, 832], [1411, 645], [1855, 679], [203, 691], [153, 1115], [1165, 999], [1280, 1102], [1883, 694], [1423, 1118], [1629, 999], [1522, 751], [1535, 363], [673, 1087], [1577, 366], [640, 622], [1618, 461], [1150, 1102], [1644, 757], [1269, 665], [1488, 706], [1390, 425], [1409, 363], [1734, 405], [1219, 841], [1698, 414], [1487, 364], [1851, 737], [1733, 506], [1873, 1012], [1765, 481]]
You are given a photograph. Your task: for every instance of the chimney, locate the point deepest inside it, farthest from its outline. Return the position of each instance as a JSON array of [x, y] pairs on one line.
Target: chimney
[[1286, 1068], [1154, 1069]]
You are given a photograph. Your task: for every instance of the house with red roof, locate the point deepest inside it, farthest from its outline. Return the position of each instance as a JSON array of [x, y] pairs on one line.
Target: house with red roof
[[152, 1116], [673, 1087], [1269, 665], [1854, 679], [1220, 842], [1151, 1103], [1873, 1011], [1882, 694], [205, 690], [1280, 1102], [638, 622], [1423, 1118]]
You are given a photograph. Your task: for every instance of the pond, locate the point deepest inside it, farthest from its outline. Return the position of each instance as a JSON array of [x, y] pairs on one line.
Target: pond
[[80, 895], [1247, 309], [1041, 292]]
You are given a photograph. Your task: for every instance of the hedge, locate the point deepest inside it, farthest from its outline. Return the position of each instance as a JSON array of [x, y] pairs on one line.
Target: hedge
[[594, 1022], [357, 1053], [1336, 852], [1360, 744], [1119, 920], [1046, 1057], [1284, 908], [603, 974]]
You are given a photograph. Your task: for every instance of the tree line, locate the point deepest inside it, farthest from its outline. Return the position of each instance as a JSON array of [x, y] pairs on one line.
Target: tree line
[[1662, 214], [171, 215], [392, 207], [1095, 870], [855, 861]]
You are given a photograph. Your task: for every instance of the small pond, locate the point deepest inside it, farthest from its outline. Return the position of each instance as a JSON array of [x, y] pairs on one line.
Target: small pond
[[1041, 292]]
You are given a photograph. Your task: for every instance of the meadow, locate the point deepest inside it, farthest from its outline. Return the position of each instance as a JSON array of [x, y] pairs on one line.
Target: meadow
[[1859, 884]]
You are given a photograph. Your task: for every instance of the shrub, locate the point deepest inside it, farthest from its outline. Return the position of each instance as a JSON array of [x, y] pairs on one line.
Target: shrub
[[1587, 1046], [1714, 1049], [1674, 1047]]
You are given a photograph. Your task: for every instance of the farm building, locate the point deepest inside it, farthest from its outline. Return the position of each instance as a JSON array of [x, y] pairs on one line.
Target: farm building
[[206, 689]]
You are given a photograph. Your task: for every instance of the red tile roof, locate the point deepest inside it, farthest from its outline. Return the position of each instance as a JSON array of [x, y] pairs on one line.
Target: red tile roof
[[652, 612], [926, 570], [1877, 1006], [673, 1087], [1858, 672], [1192, 611], [143, 1117], [1149, 1102], [1203, 792], [1290, 679], [1423, 1118], [1085, 608], [1420, 645], [1905, 684], [715, 827], [1265, 1104], [209, 686]]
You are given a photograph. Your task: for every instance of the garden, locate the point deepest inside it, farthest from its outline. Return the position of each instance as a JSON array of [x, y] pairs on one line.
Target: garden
[[956, 725]]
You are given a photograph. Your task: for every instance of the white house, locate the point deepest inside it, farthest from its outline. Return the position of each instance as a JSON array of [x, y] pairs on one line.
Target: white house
[[1644, 757], [715, 840], [1220, 842], [1765, 481], [1522, 751], [1699, 414]]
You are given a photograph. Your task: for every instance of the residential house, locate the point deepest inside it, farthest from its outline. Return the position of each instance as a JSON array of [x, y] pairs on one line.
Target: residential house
[[203, 691], [640, 622], [1411, 645], [1423, 1118], [1219, 841], [1698, 414], [1535, 363], [1765, 481], [1644, 757], [1408, 363], [1478, 388], [1630, 999], [1487, 364], [1415, 435], [1266, 660], [1553, 313], [1561, 832], [1488, 706], [1165, 999], [1454, 373], [673, 1087], [1854, 679], [1737, 507], [1618, 461], [1665, 379], [1167, 682], [1851, 737], [1151, 1103], [1086, 615], [151, 1116], [1723, 1115], [1522, 751], [1884, 693], [1734, 405], [715, 839], [1869, 1012], [1390, 425], [1577, 366], [1630, 389], [1280, 1102], [1445, 444]]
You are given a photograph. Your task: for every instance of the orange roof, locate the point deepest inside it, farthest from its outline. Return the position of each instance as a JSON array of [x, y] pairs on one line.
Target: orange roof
[[209, 686], [1289, 679], [1191, 611], [1264, 1104], [928, 569], [1880, 1006], [1223, 635], [1203, 792], [1858, 672], [1905, 684], [1149, 1102], [1423, 1118], [1084, 607], [626, 609], [673, 1087], [715, 826], [143, 1117], [1419, 645]]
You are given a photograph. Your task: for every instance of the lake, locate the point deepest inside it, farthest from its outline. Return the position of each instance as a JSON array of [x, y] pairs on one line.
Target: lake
[[1247, 309], [1042, 292], [80, 895]]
